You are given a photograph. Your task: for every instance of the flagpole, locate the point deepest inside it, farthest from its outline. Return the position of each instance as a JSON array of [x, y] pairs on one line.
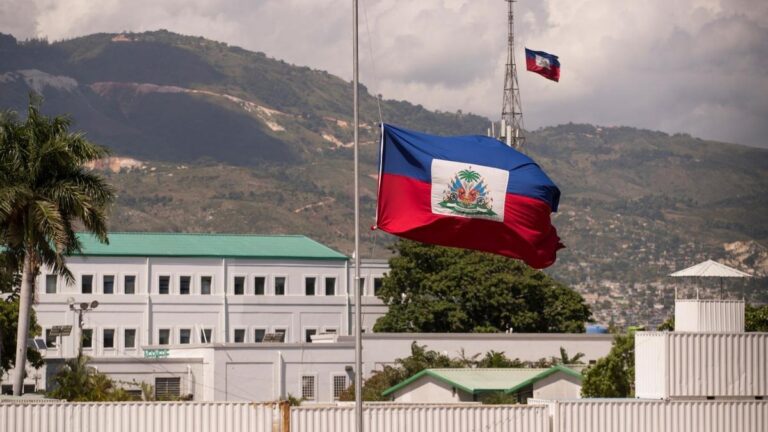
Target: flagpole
[[358, 294]]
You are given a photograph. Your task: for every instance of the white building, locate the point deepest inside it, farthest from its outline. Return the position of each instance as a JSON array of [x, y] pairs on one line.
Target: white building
[[188, 313], [472, 384]]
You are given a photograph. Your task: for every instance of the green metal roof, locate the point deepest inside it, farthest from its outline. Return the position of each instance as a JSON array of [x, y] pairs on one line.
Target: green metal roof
[[508, 380], [139, 244]]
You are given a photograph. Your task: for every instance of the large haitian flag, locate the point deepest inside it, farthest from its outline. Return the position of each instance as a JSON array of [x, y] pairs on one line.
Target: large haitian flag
[[470, 192], [544, 64]]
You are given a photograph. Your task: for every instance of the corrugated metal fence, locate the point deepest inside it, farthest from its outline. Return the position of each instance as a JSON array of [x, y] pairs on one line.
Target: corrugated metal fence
[[627, 415], [596, 415], [140, 417], [422, 418], [715, 364]]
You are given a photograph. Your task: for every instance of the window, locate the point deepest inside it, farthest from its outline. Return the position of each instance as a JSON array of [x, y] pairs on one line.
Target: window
[[279, 286], [309, 286], [239, 285], [86, 284], [377, 283], [282, 332], [184, 282], [329, 330], [129, 284], [330, 286], [163, 336], [339, 385], [50, 341], [129, 338], [167, 388], [7, 389], [205, 285], [87, 338], [258, 335], [239, 336], [108, 284], [308, 387], [185, 336], [164, 286], [50, 284], [308, 333], [361, 284], [109, 338], [258, 285], [206, 336]]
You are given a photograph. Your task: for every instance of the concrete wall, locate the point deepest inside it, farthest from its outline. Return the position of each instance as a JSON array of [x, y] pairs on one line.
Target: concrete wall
[[380, 349]]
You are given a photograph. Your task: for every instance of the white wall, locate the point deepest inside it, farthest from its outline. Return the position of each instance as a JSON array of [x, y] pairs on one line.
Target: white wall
[[651, 371], [698, 315], [559, 385], [427, 389]]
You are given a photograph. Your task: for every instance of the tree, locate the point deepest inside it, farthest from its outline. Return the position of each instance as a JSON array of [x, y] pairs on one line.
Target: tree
[[614, 374], [756, 318], [78, 382], [9, 317], [437, 289], [421, 358], [667, 325], [45, 190], [565, 359], [497, 359]]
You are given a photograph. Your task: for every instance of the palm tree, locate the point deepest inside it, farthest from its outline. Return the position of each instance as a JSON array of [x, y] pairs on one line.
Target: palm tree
[[565, 359], [45, 190], [468, 175]]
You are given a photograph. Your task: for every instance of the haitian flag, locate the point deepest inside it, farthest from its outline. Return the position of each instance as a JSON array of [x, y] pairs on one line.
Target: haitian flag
[[470, 192], [542, 63]]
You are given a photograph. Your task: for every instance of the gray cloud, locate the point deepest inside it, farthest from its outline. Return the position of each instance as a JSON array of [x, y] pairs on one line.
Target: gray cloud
[[695, 66]]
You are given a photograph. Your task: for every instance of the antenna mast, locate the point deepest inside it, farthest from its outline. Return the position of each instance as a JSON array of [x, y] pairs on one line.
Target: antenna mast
[[512, 110]]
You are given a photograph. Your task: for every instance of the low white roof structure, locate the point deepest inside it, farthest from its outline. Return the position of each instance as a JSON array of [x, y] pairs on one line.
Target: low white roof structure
[[711, 268]]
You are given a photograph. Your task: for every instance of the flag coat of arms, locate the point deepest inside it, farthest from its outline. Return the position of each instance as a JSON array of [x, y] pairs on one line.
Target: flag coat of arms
[[544, 64], [470, 192]]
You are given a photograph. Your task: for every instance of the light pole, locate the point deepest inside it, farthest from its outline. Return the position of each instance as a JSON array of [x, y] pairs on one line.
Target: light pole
[[81, 309]]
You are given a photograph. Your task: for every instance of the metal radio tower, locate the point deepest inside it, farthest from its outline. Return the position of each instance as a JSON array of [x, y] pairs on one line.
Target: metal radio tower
[[511, 110]]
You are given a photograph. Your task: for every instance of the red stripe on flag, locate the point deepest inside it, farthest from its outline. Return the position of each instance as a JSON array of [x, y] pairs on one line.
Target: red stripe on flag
[[527, 233], [553, 72]]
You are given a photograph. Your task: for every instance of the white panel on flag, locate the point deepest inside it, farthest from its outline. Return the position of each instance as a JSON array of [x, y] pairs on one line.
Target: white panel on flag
[[468, 190], [542, 62]]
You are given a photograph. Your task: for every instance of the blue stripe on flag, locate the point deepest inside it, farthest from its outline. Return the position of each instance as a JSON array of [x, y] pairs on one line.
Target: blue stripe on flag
[[409, 153]]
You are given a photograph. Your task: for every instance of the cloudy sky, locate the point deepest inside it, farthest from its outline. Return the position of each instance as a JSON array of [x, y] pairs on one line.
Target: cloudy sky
[[695, 66]]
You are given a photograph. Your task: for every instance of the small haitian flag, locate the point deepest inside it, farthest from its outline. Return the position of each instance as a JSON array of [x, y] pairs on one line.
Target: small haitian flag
[[544, 64], [471, 192]]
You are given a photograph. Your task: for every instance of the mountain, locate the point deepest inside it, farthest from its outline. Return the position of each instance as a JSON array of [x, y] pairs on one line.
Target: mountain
[[209, 137]]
